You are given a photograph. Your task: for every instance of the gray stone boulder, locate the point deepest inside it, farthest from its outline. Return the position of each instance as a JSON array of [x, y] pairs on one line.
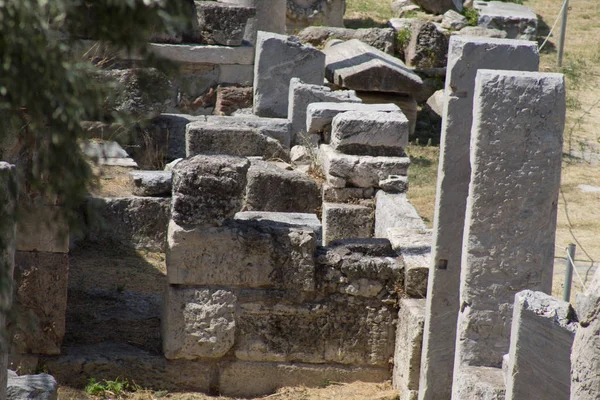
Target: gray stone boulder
[[427, 47], [518, 21], [278, 59], [218, 23], [208, 189], [370, 133], [380, 38], [356, 65], [151, 183], [453, 20], [272, 188], [439, 6], [31, 387]]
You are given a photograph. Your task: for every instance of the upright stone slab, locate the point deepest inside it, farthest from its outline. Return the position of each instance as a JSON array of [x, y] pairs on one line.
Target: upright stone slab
[[539, 364], [270, 16], [302, 94], [280, 58], [510, 219], [585, 372], [465, 57], [8, 231]]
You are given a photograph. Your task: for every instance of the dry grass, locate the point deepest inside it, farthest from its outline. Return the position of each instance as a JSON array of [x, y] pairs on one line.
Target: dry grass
[[422, 177], [350, 391], [111, 181], [367, 13]]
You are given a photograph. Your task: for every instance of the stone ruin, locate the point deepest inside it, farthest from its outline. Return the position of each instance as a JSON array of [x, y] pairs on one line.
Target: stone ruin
[[276, 279]]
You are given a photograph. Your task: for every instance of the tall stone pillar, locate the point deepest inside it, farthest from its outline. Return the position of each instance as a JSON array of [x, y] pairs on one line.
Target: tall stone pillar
[[466, 55], [510, 219], [8, 232]]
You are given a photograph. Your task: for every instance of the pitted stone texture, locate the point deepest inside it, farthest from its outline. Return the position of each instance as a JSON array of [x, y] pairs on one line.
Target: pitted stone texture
[[151, 183], [293, 219], [439, 6], [518, 21], [542, 334], [301, 13], [372, 134], [235, 138], [360, 171], [380, 38], [479, 383], [280, 58], [250, 379], [427, 48], [466, 55], [171, 128], [41, 294], [511, 208], [302, 94], [42, 228], [276, 128], [394, 211], [232, 98], [356, 65], [346, 221], [221, 24], [365, 268], [139, 222], [208, 189], [271, 188], [258, 254], [270, 16], [585, 375], [342, 329], [409, 338], [394, 184], [31, 387], [345, 195], [319, 116], [198, 322]]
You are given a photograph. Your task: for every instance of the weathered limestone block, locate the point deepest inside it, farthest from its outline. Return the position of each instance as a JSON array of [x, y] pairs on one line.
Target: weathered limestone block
[[41, 297], [585, 372], [360, 171], [31, 387], [303, 220], [250, 379], [42, 228], [345, 195], [276, 128], [278, 59], [8, 233], [380, 38], [394, 211], [301, 14], [539, 364], [365, 268], [370, 133], [302, 94], [198, 322], [510, 219], [234, 139], [407, 356], [415, 246], [439, 6], [258, 254], [518, 21], [427, 48], [342, 329], [272, 188], [319, 116], [453, 20], [139, 222], [466, 55], [270, 16], [479, 383], [204, 54], [346, 221], [208, 189], [217, 23], [107, 153], [151, 183], [356, 65], [406, 102], [482, 32], [394, 184], [171, 128], [232, 98]]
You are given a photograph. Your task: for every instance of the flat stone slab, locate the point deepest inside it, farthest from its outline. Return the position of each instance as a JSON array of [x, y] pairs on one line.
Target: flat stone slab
[[356, 65], [380, 38], [320, 115], [108, 153], [276, 128], [370, 133], [518, 21], [151, 183], [395, 211], [303, 220], [204, 54], [360, 171]]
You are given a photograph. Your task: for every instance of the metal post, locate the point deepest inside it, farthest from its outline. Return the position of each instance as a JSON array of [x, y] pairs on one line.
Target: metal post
[[563, 31], [569, 272]]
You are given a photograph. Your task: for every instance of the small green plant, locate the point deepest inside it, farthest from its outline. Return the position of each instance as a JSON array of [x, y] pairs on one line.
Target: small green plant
[[472, 16], [403, 37], [94, 388], [115, 388]]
